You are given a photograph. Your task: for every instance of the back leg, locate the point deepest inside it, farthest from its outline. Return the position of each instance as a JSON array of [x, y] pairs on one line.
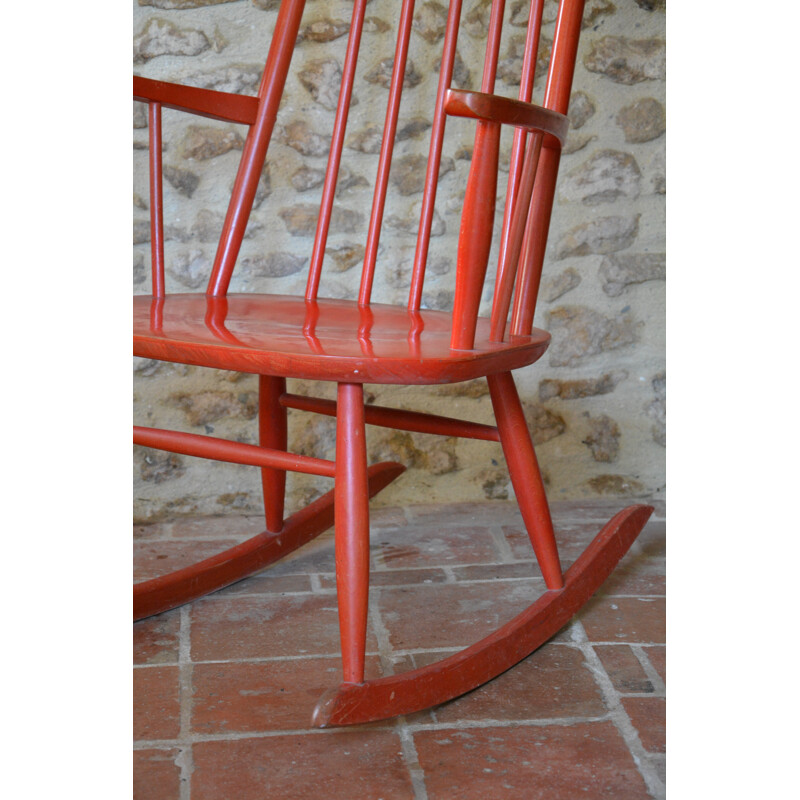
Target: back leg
[[272, 432], [525, 475]]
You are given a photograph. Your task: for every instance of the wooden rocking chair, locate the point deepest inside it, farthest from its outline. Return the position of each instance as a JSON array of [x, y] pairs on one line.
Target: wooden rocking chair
[[356, 342]]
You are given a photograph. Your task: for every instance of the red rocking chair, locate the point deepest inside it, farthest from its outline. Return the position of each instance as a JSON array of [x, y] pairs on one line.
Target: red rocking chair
[[353, 342]]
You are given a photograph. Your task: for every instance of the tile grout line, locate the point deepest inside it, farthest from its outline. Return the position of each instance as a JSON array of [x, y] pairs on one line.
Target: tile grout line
[[409, 727], [651, 672], [472, 724], [444, 651], [449, 576], [381, 634], [236, 736], [617, 714], [409, 749], [186, 691], [316, 585], [502, 546], [411, 758]]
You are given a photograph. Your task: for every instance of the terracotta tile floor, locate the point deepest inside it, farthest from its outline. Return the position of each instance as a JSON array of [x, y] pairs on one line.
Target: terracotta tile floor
[[224, 687]]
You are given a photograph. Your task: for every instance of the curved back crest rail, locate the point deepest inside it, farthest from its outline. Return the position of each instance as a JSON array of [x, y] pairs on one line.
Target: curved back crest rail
[[356, 341]]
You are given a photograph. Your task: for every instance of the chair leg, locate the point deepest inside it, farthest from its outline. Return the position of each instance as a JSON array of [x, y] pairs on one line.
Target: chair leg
[[525, 476], [351, 506], [272, 433]]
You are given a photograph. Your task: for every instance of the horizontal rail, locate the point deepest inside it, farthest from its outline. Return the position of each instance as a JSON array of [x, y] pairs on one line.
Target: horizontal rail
[[399, 419], [206, 102], [505, 110], [194, 444]]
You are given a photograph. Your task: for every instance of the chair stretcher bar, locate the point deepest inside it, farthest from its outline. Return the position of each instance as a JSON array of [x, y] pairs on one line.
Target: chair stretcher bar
[[194, 444], [399, 419]]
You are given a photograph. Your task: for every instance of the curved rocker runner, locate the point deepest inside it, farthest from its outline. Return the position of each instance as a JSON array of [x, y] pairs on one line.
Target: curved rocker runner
[[350, 342], [453, 676], [232, 565]]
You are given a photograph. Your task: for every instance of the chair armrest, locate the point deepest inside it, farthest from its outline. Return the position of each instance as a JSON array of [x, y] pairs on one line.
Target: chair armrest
[[504, 110], [205, 102]]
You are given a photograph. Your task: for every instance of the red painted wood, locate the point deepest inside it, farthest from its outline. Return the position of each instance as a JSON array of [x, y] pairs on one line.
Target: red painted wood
[[279, 335], [195, 444], [453, 676], [156, 315], [535, 242], [337, 143], [506, 266], [509, 257], [232, 565], [400, 419], [475, 236], [387, 147], [435, 157], [203, 102], [505, 110], [557, 92], [354, 341], [492, 45], [564, 52], [156, 200], [525, 476], [272, 432], [352, 529], [477, 216], [256, 144]]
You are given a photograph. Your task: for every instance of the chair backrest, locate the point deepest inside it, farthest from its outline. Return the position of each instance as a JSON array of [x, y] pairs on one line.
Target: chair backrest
[[532, 170]]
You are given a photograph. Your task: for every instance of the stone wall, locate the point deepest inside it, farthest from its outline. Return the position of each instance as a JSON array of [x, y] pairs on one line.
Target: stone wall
[[595, 403]]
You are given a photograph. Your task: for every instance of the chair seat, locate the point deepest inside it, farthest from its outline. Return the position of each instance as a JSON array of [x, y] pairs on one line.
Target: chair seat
[[320, 340]]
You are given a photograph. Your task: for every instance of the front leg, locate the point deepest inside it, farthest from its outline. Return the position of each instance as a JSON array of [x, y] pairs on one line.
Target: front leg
[[352, 529]]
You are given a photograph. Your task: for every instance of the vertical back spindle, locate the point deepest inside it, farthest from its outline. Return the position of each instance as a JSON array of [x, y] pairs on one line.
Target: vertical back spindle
[[255, 148], [310, 327], [337, 143], [157, 314], [366, 322], [387, 146], [477, 219], [518, 226], [435, 156], [556, 97], [156, 200], [517, 195]]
